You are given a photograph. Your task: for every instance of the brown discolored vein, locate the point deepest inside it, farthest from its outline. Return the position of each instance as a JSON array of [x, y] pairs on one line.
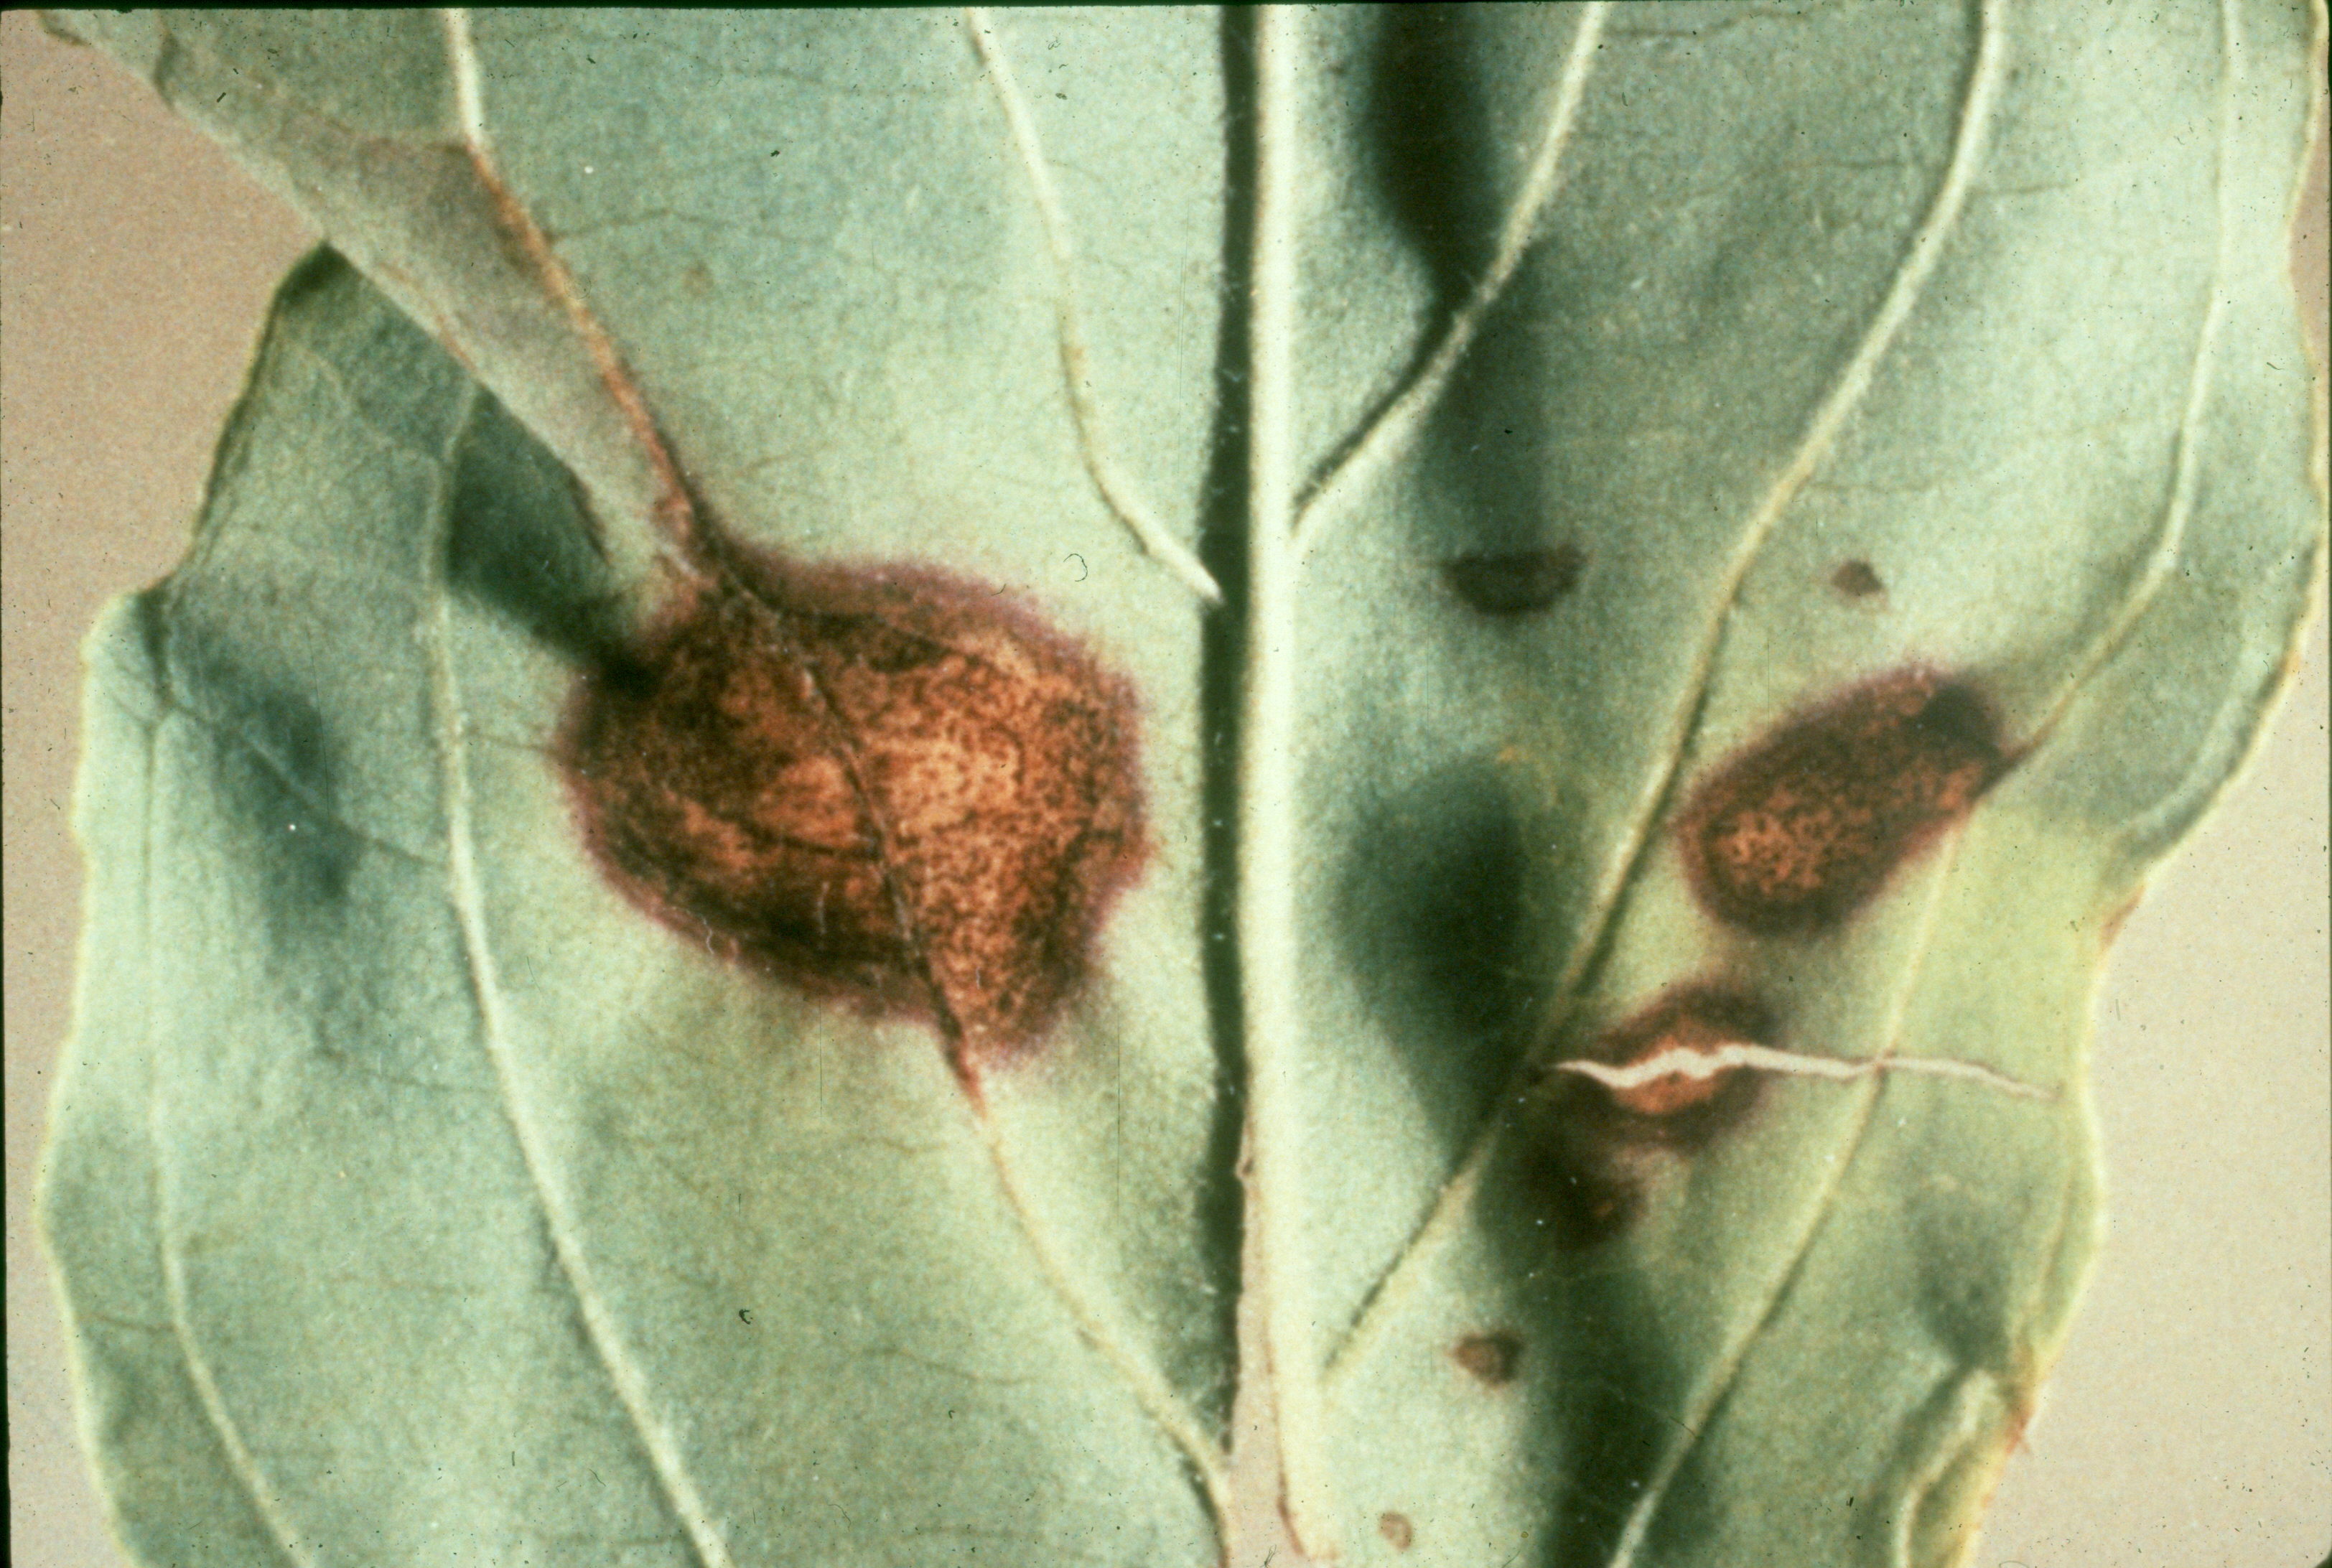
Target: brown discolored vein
[[675, 512], [676, 515]]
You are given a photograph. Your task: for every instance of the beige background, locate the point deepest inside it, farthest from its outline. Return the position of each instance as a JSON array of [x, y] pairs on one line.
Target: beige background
[[2190, 1423]]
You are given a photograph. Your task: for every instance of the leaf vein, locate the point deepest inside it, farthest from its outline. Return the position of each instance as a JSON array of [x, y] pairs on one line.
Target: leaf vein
[[1149, 1389], [237, 1453], [1705, 1409], [467, 896], [172, 705], [675, 512], [239, 1456], [2178, 504], [1381, 437], [1978, 101], [1117, 491]]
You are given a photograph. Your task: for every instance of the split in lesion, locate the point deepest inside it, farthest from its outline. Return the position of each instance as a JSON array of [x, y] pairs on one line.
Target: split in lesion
[[1699, 1063]]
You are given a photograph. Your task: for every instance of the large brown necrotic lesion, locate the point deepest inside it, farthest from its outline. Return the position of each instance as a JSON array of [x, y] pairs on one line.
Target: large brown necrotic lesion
[[887, 788]]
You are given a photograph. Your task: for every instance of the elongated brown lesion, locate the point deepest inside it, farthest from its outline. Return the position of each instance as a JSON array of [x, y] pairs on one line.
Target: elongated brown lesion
[[888, 788], [1800, 829]]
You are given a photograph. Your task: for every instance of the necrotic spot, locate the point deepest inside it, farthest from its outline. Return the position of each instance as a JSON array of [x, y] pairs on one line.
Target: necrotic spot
[[1517, 583], [1492, 1358], [1800, 830], [1856, 580], [1590, 1145], [882, 787]]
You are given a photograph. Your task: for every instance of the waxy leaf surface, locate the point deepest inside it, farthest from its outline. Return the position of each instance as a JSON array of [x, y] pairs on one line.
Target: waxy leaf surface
[[1614, 600]]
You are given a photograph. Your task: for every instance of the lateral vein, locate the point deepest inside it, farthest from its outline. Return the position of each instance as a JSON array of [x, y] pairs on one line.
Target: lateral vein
[[2178, 504], [1978, 101], [675, 512], [1384, 437], [466, 893], [1116, 489], [1704, 1408]]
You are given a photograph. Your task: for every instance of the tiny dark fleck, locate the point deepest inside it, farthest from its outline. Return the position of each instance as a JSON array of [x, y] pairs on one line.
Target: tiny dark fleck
[[1491, 1357], [1856, 581], [1802, 827], [1397, 1529], [1517, 583]]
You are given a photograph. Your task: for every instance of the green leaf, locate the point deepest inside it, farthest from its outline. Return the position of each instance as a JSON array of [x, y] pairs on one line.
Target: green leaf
[[1674, 568]]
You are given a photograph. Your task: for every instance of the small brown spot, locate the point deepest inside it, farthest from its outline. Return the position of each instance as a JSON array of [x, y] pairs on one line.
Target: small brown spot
[[885, 787], [1797, 832], [696, 278], [1493, 1357], [1855, 579], [2020, 1417], [2111, 931], [1518, 583], [1397, 1529]]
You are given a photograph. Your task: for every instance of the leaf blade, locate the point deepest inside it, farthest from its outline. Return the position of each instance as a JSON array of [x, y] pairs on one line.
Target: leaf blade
[[1460, 800]]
